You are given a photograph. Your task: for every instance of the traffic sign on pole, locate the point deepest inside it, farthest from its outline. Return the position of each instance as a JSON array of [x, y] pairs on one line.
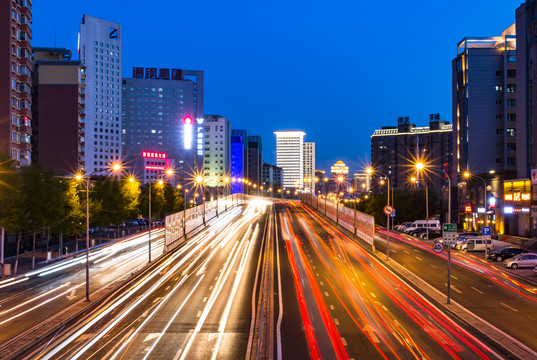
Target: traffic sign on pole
[[449, 234], [388, 209], [485, 231], [438, 247]]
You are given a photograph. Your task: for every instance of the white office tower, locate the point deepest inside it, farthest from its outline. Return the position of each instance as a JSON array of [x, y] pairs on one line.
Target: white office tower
[[290, 157], [309, 167], [100, 50], [216, 162]]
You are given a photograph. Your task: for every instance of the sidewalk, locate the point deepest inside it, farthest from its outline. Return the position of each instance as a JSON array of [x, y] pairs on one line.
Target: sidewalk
[[524, 243]]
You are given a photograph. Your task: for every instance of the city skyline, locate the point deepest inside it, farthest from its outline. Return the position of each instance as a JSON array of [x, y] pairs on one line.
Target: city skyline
[[307, 44]]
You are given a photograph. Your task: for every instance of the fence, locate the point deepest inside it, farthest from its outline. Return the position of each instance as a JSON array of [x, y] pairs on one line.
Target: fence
[[359, 223], [180, 224]]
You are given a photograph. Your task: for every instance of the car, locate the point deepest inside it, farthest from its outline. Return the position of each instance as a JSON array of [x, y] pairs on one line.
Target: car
[[402, 226], [506, 253], [521, 260], [141, 221], [461, 239], [432, 234], [476, 244], [417, 232]]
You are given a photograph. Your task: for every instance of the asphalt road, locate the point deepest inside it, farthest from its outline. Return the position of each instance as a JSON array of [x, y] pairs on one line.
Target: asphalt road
[[194, 304], [354, 307], [30, 300]]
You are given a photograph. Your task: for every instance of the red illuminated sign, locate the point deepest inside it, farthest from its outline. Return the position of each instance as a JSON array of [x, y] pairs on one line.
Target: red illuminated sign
[[153, 155], [468, 209], [154, 167]]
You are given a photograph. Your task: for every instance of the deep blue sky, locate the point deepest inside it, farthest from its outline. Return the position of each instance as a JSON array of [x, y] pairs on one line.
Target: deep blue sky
[[337, 70]]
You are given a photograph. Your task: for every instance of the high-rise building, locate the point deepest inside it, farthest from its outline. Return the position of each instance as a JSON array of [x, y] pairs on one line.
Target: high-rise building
[[255, 160], [395, 150], [158, 116], [484, 104], [309, 167], [485, 116], [217, 143], [15, 81], [290, 157], [100, 51], [239, 159], [59, 111], [526, 110], [272, 179]]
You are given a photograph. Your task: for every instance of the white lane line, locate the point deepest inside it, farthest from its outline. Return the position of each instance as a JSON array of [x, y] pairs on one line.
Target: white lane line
[[373, 295], [453, 277], [325, 294], [417, 257], [205, 299], [199, 314], [211, 288], [479, 291], [343, 341], [331, 307], [336, 321], [509, 307], [321, 283], [433, 266]]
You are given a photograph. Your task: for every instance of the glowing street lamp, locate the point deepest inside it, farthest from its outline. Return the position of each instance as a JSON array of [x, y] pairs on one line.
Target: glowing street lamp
[[115, 167]]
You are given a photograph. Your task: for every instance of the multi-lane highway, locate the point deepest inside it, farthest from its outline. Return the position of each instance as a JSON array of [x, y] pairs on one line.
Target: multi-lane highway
[[277, 281], [193, 304]]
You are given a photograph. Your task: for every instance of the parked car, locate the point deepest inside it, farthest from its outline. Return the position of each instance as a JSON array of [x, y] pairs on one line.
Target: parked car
[[535, 270], [432, 224], [433, 234], [417, 232], [402, 226], [141, 221], [461, 239], [521, 260], [506, 253], [476, 244]]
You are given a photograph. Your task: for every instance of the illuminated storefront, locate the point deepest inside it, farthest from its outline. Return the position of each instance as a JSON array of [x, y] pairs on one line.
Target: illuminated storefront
[[517, 206]]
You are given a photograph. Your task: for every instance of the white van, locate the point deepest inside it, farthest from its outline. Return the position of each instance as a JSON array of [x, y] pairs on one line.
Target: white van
[[476, 244], [419, 224]]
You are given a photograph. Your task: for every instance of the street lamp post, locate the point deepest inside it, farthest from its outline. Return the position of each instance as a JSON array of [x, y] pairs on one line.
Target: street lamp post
[[370, 172], [420, 166], [199, 181], [115, 167]]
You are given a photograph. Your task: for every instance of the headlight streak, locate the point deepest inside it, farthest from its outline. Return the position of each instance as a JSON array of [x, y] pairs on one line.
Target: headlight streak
[[222, 278], [425, 312], [13, 282], [108, 309], [150, 316], [33, 299], [190, 249], [41, 304], [172, 319], [231, 299]]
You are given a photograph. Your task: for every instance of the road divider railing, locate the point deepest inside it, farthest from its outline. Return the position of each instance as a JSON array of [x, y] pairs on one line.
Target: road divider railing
[[359, 223], [179, 225]]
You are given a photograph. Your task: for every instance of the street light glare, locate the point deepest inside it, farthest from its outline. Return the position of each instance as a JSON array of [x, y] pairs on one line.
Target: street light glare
[[78, 177], [199, 179], [131, 179], [169, 172], [466, 174], [420, 166], [116, 167]]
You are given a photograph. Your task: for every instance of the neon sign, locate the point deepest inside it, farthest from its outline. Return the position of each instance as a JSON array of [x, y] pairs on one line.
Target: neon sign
[[153, 155]]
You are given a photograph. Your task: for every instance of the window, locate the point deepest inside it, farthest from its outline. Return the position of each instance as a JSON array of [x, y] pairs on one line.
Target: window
[[511, 59], [511, 73], [511, 132], [511, 117], [511, 146], [511, 102], [511, 88]]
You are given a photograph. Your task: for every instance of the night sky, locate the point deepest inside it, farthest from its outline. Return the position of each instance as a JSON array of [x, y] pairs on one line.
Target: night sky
[[337, 70]]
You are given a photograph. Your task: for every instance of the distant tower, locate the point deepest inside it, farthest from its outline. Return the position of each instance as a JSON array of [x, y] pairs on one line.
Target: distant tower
[[290, 157], [100, 51], [309, 167]]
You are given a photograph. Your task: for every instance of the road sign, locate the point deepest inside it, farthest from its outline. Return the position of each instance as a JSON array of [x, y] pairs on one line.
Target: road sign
[[449, 234], [438, 247], [451, 228], [393, 213], [388, 209], [485, 231]]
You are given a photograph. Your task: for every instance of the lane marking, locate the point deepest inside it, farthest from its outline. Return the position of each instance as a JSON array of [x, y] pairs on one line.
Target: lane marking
[[417, 257], [331, 307], [199, 314], [336, 321], [325, 294], [479, 291], [343, 341], [509, 307], [205, 299], [433, 266], [322, 284]]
